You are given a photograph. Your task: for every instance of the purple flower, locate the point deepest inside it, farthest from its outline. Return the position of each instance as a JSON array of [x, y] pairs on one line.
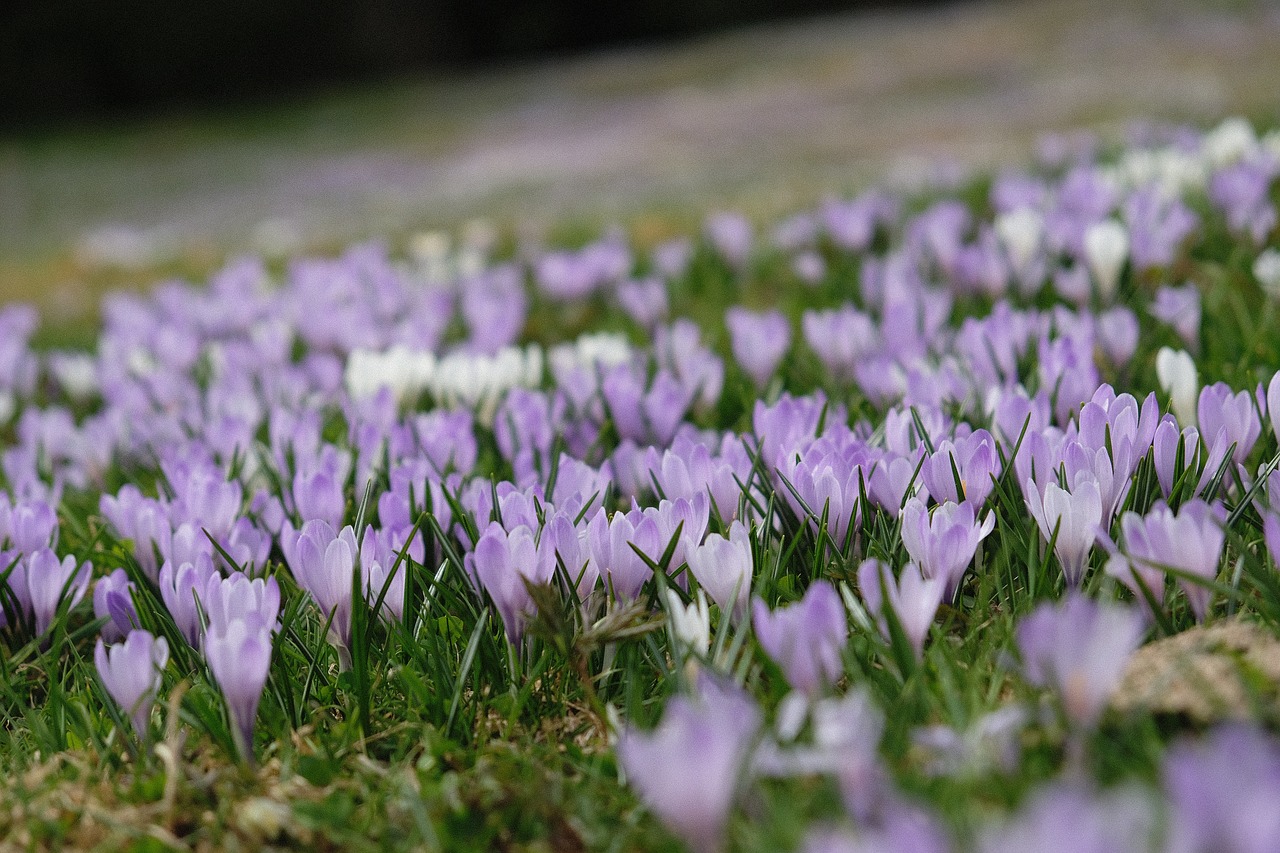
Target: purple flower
[[1072, 819], [1222, 408], [131, 672], [724, 568], [1243, 192], [973, 458], [32, 525], [1070, 520], [502, 563], [1188, 542], [237, 597], [913, 598], [943, 543], [805, 639], [688, 768], [323, 563], [1273, 403], [759, 341], [731, 235], [1158, 225], [113, 600], [1079, 648], [894, 480], [50, 583], [1224, 792], [179, 589], [840, 338], [1179, 308], [644, 301], [239, 657], [1118, 334]]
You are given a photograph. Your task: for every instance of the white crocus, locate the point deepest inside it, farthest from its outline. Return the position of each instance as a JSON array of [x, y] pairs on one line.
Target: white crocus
[[478, 382], [1176, 372], [1106, 248], [1020, 232], [1229, 142], [690, 624], [406, 372], [1266, 269]]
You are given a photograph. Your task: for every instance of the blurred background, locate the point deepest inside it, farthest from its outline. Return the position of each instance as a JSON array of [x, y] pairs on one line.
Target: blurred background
[[142, 139]]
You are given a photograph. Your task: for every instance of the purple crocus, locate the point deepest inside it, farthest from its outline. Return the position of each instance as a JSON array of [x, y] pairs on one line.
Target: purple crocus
[[323, 562], [1222, 408], [239, 657], [724, 568], [688, 769], [503, 563], [805, 638], [131, 672], [1224, 791], [1273, 403], [1179, 308], [1070, 520], [1079, 647], [113, 601], [1188, 542], [943, 543], [840, 338], [913, 598], [179, 588], [50, 583], [759, 341], [973, 458]]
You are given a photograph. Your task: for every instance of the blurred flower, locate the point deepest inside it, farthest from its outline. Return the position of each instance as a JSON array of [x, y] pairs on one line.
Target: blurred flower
[[1266, 269], [131, 672], [806, 638], [759, 341], [1179, 308], [912, 597], [1224, 792], [1106, 248], [688, 768], [1079, 648], [1176, 372]]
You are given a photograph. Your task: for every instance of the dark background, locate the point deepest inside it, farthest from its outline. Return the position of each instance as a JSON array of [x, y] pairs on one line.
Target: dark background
[[74, 59]]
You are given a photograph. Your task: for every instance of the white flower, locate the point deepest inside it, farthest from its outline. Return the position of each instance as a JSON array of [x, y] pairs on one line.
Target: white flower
[[1176, 372], [1266, 269], [1106, 248], [406, 372], [690, 624], [75, 373], [1229, 142], [1021, 232], [478, 382]]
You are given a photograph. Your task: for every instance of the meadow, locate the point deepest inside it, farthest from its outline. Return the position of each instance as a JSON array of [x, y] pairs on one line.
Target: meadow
[[929, 520]]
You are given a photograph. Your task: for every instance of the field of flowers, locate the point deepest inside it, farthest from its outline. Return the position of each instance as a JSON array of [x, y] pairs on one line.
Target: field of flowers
[[932, 522]]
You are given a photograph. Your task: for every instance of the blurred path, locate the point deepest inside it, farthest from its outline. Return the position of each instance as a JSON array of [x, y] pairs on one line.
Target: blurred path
[[764, 118]]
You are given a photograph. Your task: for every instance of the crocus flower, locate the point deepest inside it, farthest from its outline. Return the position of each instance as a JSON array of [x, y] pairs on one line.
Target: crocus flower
[[973, 458], [943, 543], [759, 341], [113, 600], [1079, 647], [1106, 248], [805, 638], [131, 673], [323, 562], [1189, 542], [1068, 818], [1176, 372], [1222, 408], [1224, 791], [913, 598], [503, 563], [179, 588], [732, 236], [1273, 403], [1266, 269], [688, 768], [724, 567], [1069, 519], [50, 582], [239, 656], [1179, 308]]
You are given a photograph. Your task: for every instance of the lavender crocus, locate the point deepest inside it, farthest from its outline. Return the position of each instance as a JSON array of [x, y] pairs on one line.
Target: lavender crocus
[[1224, 791], [1273, 403], [688, 769], [179, 589], [805, 638], [724, 567], [113, 601], [323, 562], [1070, 520], [1079, 647], [1221, 408], [52, 583], [503, 563], [759, 341], [239, 657], [973, 458], [131, 672], [943, 543], [913, 598], [1179, 308], [1188, 542]]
